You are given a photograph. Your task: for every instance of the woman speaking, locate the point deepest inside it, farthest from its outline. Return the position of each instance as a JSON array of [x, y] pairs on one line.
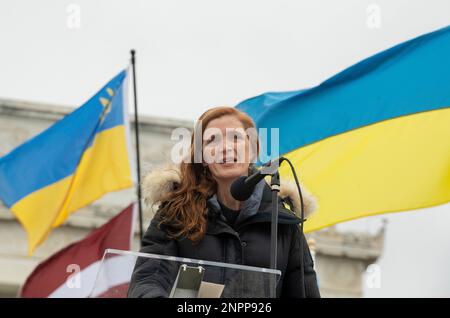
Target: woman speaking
[[198, 218]]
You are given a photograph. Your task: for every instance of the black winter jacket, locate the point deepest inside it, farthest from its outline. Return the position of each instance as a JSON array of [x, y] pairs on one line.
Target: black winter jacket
[[247, 244]]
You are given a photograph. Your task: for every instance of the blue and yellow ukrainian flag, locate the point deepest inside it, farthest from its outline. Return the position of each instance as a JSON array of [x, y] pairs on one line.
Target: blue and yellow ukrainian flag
[[74, 162], [372, 139]]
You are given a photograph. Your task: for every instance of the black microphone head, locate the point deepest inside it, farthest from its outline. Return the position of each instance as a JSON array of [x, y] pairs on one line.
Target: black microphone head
[[239, 190]]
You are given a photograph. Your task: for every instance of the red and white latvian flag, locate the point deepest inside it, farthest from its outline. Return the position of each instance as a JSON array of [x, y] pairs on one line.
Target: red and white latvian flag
[[72, 271]]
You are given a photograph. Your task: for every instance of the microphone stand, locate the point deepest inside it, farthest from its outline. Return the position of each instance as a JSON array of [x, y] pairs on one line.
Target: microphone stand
[[275, 188], [240, 191]]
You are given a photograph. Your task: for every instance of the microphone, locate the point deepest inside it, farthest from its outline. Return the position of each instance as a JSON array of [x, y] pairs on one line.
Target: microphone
[[242, 188]]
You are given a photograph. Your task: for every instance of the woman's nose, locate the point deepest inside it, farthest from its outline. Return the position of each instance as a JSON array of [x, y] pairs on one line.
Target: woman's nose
[[228, 146]]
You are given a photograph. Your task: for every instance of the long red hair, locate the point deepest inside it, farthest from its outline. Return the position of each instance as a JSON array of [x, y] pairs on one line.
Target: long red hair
[[184, 210]]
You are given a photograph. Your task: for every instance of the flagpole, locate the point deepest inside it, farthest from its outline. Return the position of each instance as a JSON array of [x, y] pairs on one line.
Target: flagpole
[[138, 158]]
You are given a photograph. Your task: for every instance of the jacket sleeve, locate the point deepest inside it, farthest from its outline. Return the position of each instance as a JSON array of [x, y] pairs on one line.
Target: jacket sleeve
[[153, 278], [292, 282]]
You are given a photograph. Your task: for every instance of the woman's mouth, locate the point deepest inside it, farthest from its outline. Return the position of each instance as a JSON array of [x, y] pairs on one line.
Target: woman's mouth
[[228, 161]]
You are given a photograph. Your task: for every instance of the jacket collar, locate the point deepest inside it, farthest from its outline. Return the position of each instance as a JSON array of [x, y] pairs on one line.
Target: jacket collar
[[249, 209], [158, 182], [256, 209]]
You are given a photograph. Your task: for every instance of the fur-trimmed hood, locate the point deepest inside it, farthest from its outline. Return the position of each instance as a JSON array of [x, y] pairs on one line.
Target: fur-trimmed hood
[[161, 181]]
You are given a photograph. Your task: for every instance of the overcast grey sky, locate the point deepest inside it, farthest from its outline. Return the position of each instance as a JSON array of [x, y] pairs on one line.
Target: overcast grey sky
[[195, 54]]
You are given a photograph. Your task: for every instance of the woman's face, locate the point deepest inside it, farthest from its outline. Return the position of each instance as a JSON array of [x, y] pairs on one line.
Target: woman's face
[[226, 148]]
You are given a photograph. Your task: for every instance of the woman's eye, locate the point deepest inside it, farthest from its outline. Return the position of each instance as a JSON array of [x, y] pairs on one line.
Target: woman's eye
[[238, 137], [211, 140]]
